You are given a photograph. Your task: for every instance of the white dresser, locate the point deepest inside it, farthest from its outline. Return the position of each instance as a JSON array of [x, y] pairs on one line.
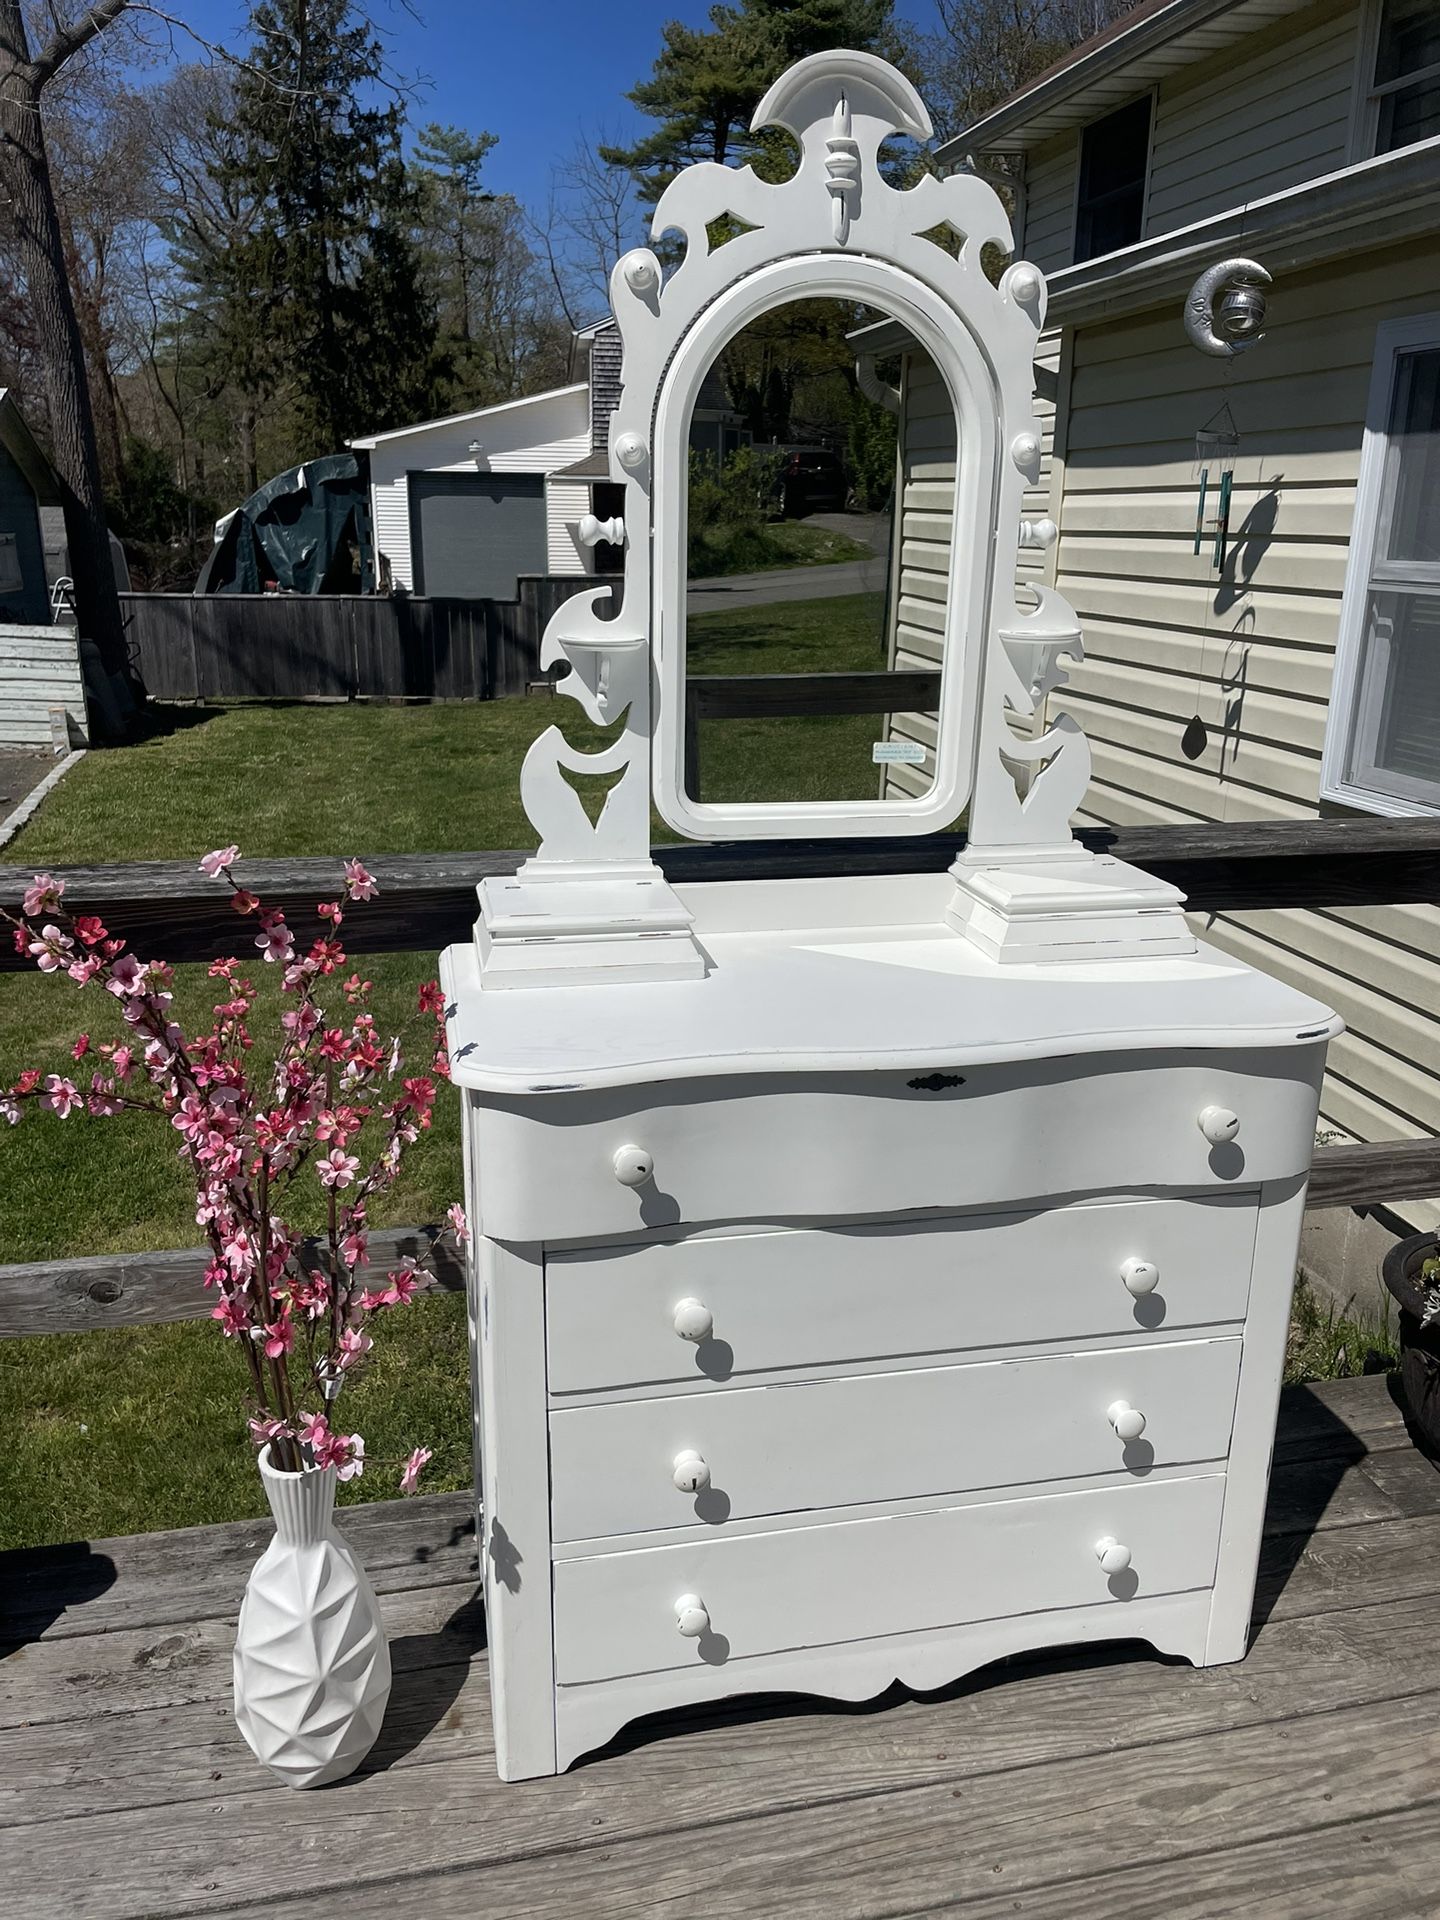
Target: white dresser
[[873, 1276], [960, 1334]]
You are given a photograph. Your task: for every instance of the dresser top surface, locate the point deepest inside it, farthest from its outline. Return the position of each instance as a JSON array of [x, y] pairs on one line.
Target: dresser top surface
[[903, 990]]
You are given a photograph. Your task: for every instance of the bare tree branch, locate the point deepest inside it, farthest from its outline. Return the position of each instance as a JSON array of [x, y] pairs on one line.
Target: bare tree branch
[[67, 39]]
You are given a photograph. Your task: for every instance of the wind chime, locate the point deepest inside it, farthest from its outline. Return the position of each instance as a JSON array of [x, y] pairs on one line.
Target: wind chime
[[1217, 447], [1224, 314]]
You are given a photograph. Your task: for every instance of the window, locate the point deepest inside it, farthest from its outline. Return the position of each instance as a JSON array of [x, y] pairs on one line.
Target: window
[[1405, 96], [1382, 748], [1114, 153]]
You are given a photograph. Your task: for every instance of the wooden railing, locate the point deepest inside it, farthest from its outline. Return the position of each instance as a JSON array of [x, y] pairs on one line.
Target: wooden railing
[[427, 901]]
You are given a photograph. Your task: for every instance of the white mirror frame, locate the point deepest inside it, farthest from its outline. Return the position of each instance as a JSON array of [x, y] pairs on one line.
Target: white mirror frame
[[835, 224], [973, 396]]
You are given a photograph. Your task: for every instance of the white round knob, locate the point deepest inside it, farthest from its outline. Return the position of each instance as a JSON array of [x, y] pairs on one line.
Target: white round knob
[[1025, 283], [694, 1320], [1127, 1421], [633, 1166], [590, 531], [1218, 1124], [641, 271], [1140, 1277], [1038, 533], [1112, 1556], [691, 1617], [691, 1473], [630, 450], [1025, 450]]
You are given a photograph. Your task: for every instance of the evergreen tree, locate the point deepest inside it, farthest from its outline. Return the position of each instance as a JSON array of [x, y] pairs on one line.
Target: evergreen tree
[[706, 84], [453, 206], [500, 329], [323, 290]]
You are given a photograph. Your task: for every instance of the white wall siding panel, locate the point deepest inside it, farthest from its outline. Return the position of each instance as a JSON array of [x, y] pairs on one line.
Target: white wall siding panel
[[1049, 237], [566, 501], [39, 671], [390, 519], [1259, 117], [921, 572], [1251, 651], [533, 437], [1254, 118]]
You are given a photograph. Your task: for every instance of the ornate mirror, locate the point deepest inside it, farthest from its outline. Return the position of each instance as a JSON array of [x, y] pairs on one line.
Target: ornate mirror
[[908, 266], [837, 232]]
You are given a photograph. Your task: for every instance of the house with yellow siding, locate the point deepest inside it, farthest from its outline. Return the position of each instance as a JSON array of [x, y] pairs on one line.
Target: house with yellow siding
[[1292, 668]]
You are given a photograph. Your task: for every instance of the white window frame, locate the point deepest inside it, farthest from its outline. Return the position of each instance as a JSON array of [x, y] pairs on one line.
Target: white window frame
[[1365, 113], [1393, 338]]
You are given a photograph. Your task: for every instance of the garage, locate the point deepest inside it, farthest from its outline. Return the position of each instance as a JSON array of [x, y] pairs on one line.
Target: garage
[[473, 533]]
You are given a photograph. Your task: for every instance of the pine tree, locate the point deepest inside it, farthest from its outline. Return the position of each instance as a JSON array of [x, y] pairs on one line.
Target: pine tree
[[706, 84], [323, 293], [501, 332], [452, 205]]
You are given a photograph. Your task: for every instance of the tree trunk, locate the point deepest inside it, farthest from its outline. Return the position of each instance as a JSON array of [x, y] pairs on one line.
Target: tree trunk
[[25, 181], [247, 448]]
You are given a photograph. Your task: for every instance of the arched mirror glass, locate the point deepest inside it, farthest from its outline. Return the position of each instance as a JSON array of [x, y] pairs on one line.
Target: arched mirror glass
[[821, 564], [817, 557]]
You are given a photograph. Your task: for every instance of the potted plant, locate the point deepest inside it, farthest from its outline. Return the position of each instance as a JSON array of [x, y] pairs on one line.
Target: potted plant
[[321, 1121], [1411, 1273]]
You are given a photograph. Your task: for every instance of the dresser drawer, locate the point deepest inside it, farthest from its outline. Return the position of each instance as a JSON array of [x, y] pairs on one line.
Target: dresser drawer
[[815, 1586], [838, 1294], [886, 1436], [553, 1166]]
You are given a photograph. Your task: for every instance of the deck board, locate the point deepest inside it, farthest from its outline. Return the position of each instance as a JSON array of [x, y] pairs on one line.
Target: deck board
[[1072, 1783]]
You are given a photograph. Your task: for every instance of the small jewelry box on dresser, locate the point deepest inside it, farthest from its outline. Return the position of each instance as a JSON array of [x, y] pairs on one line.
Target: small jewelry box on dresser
[[873, 1274]]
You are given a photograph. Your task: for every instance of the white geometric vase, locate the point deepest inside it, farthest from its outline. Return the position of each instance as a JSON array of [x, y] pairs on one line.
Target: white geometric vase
[[312, 1667]]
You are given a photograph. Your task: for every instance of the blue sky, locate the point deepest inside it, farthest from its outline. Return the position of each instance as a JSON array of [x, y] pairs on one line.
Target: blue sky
[[539, 73]]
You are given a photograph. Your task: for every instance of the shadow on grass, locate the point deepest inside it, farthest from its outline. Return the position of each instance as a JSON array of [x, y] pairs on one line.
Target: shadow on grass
[[164, 720], [158, 721]]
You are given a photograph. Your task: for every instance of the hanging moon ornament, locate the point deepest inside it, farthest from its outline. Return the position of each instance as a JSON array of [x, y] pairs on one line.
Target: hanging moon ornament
[[1225, 309]]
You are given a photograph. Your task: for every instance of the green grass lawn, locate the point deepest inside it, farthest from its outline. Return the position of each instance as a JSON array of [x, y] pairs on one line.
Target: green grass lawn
[[121, 1431], [287, 780], [811, 757], [140, 1428]]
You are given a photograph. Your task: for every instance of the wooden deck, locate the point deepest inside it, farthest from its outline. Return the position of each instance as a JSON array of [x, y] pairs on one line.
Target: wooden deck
[[1303, 1782]]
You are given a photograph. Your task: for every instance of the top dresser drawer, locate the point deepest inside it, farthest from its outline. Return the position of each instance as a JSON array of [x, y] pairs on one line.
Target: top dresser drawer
[[842, 1294], [587, 1165]]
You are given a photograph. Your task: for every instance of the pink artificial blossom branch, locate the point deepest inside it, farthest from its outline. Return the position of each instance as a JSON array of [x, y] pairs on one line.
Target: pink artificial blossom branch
[[247, 1129]]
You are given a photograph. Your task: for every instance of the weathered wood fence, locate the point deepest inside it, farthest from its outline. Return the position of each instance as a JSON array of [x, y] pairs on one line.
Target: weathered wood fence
[[269, 646], [427, 901]]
